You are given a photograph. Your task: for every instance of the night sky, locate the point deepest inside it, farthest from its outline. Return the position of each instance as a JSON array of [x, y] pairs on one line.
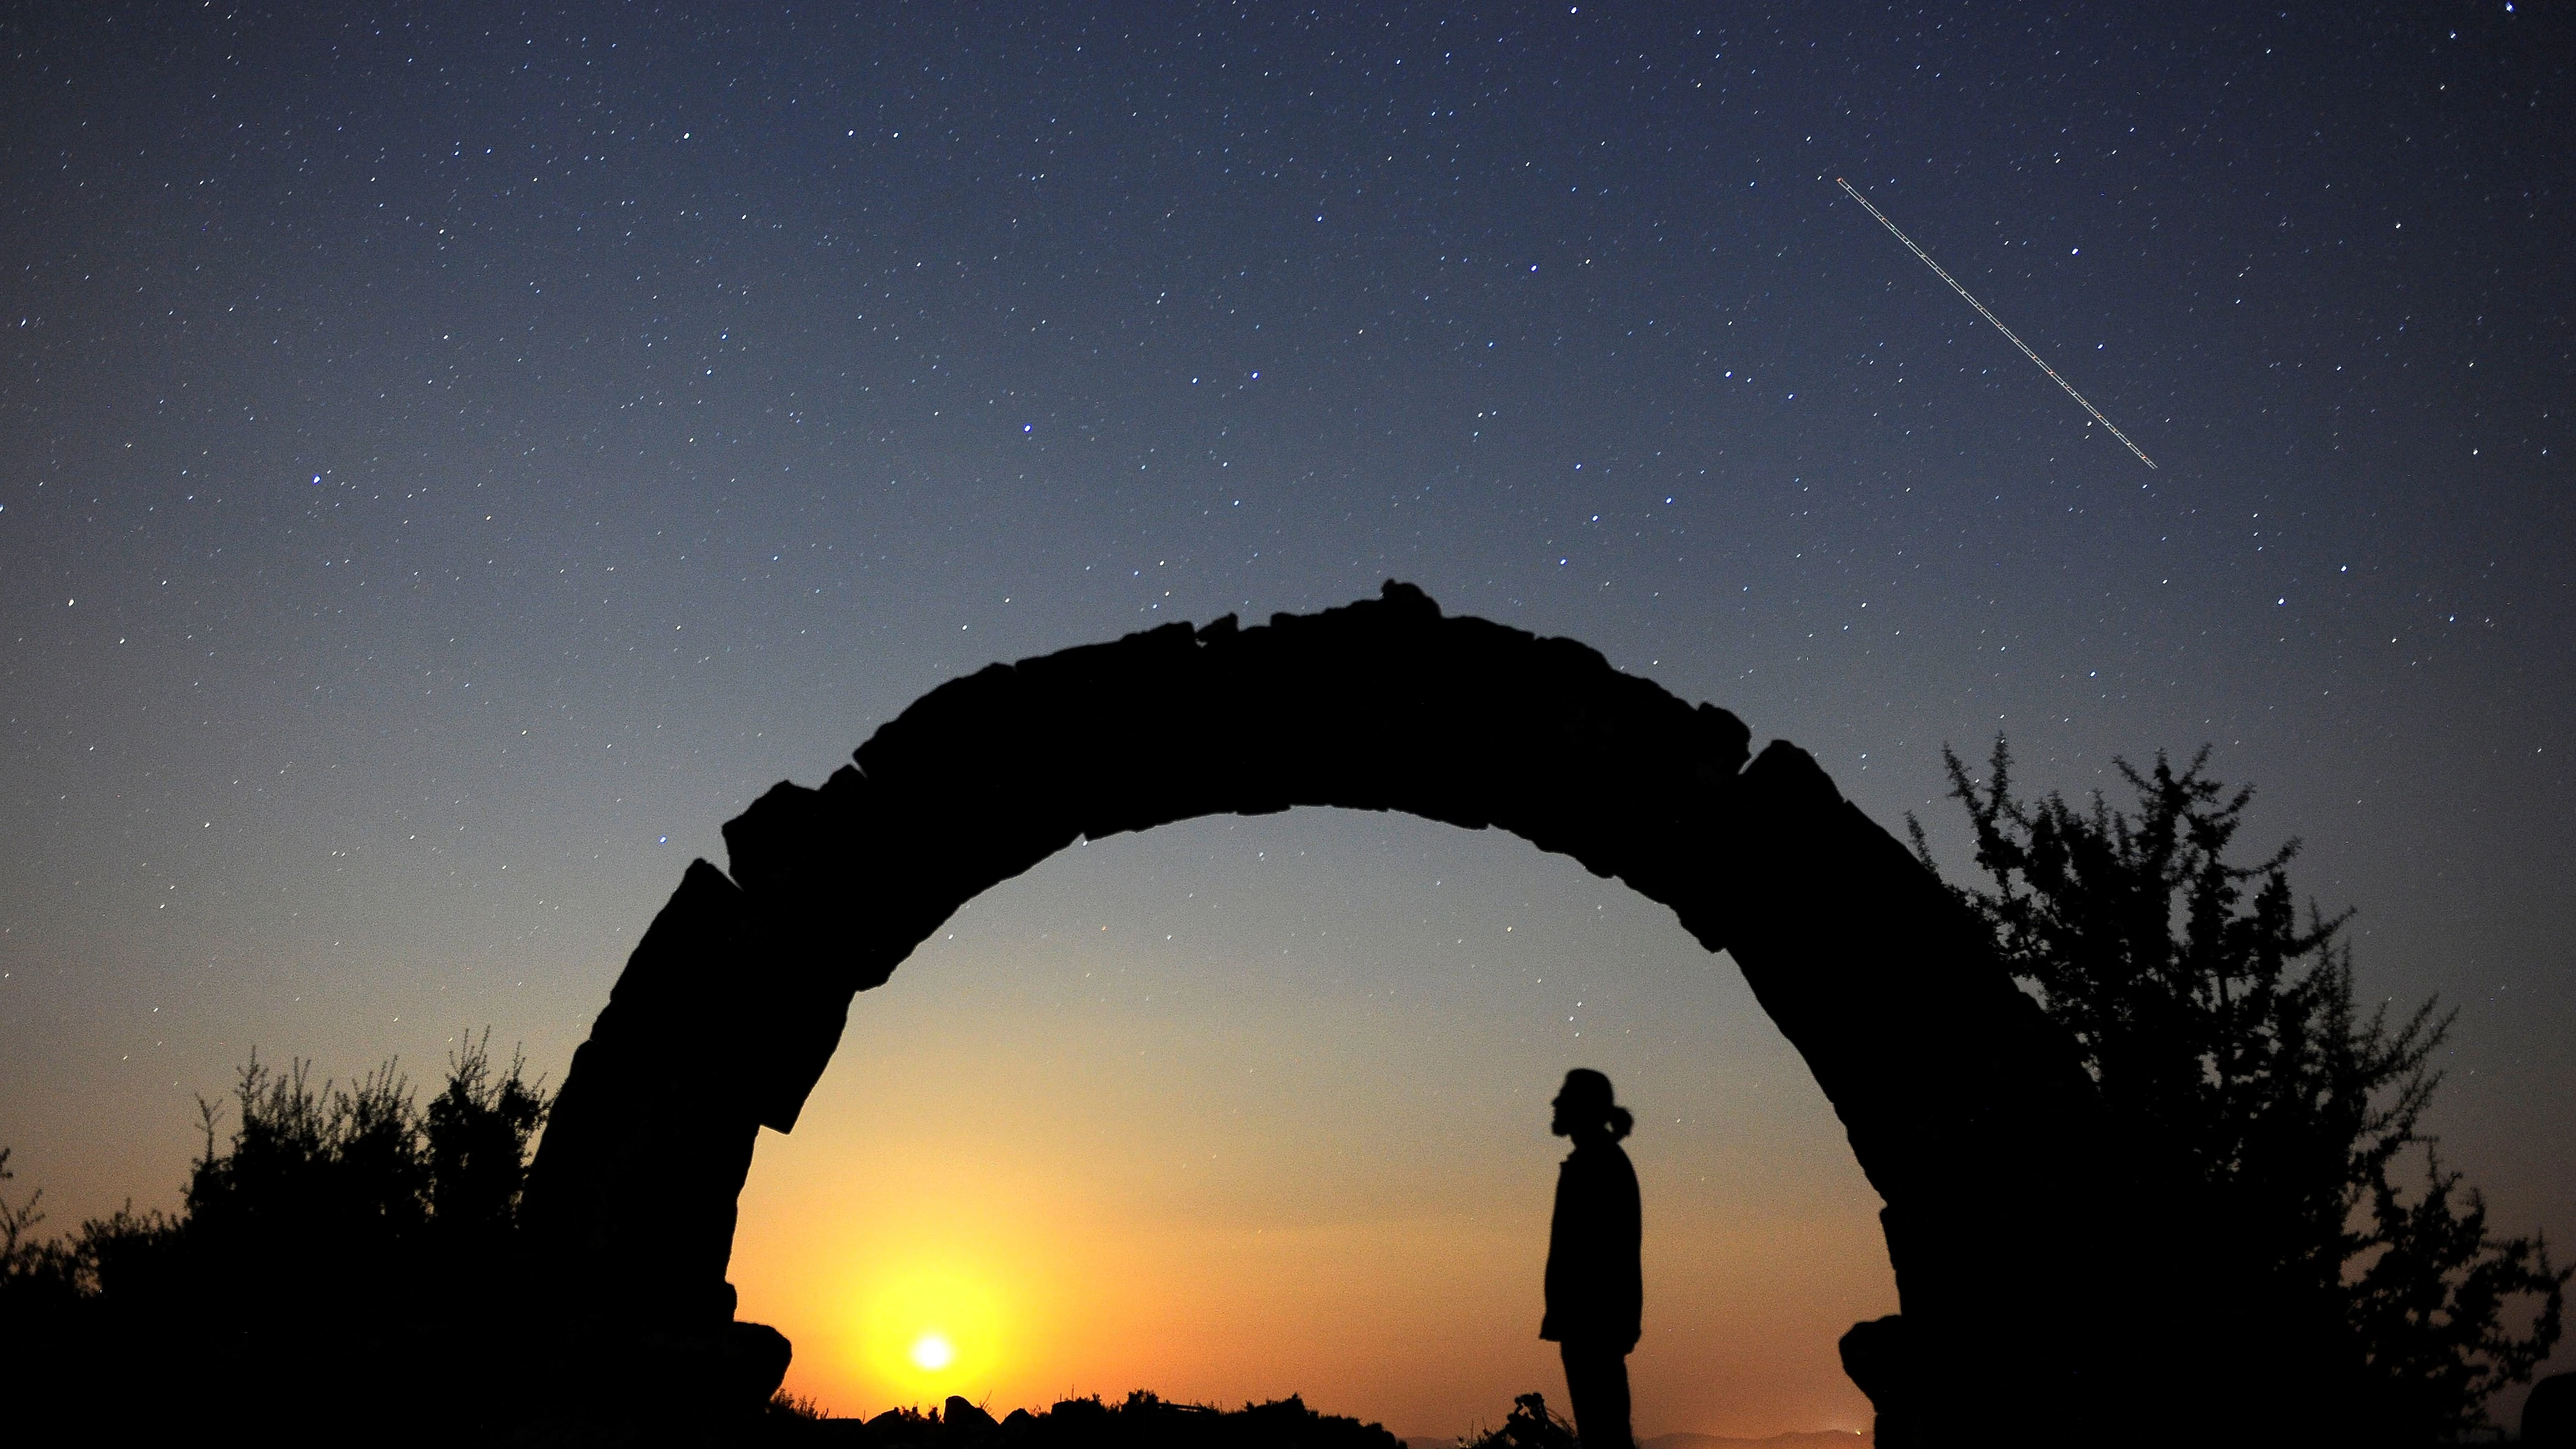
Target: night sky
[[452, 459]]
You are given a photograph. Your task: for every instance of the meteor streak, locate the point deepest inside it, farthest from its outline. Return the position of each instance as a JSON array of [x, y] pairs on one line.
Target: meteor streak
[[1926, 258]]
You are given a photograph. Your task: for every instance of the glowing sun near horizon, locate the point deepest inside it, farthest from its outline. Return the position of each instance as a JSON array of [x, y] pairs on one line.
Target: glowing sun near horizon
[[931, 1329]]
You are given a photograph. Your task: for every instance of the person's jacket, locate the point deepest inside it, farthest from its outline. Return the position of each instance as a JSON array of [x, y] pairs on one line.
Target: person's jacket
[[1595, 1285]]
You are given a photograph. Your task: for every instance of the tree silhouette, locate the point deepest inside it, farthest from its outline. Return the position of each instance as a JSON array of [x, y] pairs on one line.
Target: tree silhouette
[[2219, 1023], [476, 1136]]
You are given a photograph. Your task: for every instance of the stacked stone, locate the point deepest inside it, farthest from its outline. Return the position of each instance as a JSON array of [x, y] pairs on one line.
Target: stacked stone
[[1967, 1109]]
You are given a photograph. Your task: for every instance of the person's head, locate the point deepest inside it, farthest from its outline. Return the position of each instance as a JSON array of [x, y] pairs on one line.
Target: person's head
[[1586, 1108]]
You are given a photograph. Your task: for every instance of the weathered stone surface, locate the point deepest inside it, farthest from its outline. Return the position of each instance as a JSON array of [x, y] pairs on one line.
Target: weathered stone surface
[[1966, 1108], [1878, 1356]]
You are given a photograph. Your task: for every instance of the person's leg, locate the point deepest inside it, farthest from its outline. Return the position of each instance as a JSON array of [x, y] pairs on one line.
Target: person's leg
[[1596, 1388]]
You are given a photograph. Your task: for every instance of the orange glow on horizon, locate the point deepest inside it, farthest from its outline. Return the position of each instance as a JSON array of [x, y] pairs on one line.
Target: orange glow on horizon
[[1086, 1168], [1044, 1283]]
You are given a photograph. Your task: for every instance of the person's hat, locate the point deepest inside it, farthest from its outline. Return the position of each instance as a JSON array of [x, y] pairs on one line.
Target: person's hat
[[1585, 1087]]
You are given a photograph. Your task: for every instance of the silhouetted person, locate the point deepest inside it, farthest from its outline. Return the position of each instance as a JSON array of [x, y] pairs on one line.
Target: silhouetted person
[[2549, 1415], [1595, 1286]]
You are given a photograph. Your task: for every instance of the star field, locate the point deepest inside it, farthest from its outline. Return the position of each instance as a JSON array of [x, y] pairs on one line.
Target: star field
[[457, 457]]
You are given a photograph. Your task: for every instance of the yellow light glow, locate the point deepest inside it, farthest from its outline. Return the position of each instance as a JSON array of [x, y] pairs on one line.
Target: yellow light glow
[[933, 1328]]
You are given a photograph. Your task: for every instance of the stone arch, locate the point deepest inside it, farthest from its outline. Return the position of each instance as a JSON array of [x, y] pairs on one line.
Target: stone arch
[[1966, 1108]]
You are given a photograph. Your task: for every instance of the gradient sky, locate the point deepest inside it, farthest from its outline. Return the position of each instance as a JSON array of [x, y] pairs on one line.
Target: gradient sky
[[452, 458]]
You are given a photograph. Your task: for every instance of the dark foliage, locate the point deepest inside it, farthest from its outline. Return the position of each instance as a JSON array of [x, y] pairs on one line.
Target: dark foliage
[[2220, 1025], [36, 1274], [1529, 1426], [341, 1253]]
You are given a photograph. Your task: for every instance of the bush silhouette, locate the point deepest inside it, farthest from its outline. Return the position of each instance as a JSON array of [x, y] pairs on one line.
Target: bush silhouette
[[1142, 1421], [340, 1253]]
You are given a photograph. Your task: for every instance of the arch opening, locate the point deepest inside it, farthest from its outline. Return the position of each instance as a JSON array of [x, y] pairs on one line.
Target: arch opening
[[1303, 1145]]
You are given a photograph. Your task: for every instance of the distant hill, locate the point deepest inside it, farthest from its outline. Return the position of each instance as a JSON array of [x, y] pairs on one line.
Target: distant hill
[[1820, 1439], [1817, 1440]]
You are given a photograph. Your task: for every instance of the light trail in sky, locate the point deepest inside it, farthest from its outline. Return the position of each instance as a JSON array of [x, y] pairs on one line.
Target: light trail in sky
[[1926, 258]]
